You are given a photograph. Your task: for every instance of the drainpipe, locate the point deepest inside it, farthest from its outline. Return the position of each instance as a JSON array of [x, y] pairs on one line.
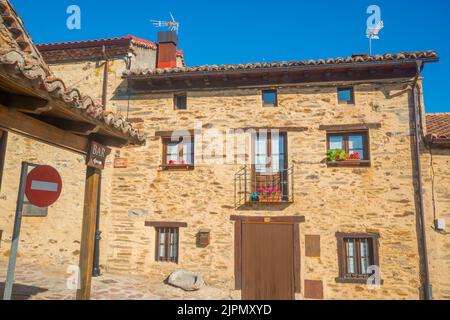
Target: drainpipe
[[105, 79], [96, 272], [428, 289]]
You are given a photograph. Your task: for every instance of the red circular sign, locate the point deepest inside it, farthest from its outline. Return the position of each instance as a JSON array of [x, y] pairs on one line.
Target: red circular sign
[[43, 186]]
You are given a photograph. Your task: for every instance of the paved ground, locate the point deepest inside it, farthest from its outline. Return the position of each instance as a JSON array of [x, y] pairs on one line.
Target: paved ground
[[34, 282]]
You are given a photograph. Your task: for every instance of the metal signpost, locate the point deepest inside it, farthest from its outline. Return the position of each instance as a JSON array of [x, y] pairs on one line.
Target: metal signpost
[[43, 187]]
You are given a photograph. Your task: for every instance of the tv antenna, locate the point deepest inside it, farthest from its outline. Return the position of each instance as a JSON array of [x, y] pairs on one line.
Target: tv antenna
[[372, 34], [172, 25]]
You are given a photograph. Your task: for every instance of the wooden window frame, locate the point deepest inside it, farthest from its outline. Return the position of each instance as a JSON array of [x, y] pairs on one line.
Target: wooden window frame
[[254, 139], [270, 105], [168, 231], [352, 96], [168, 225], [346, 134], [176, 167], [342, 261], [175, 101]]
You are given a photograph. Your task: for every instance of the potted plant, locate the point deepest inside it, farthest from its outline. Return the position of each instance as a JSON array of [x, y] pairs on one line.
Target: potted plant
[[175, 162], [269, 195], [336, 155], [354, 156], [255, 197]]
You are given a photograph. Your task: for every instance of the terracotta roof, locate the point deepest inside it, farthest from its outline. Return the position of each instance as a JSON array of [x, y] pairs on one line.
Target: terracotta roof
[[353, 60], [127, 40], [438, 126], [32, 67]]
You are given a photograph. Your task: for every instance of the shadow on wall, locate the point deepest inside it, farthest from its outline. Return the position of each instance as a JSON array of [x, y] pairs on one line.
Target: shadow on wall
[[22, 292]]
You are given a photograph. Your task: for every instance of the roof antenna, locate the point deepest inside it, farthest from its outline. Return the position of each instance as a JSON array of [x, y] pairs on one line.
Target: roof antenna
[[172, 25], [374, 25]]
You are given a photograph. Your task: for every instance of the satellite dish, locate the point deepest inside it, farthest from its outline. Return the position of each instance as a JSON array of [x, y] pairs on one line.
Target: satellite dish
[[172, 25]]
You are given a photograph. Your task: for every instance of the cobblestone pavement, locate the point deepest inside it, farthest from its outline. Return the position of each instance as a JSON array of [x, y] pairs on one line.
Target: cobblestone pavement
[[34, 282]]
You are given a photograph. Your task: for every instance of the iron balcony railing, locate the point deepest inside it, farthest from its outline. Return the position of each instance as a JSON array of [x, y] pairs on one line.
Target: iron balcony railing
[[251, 186]]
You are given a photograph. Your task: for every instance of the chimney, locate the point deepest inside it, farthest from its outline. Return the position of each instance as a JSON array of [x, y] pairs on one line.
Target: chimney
[[167, 49]]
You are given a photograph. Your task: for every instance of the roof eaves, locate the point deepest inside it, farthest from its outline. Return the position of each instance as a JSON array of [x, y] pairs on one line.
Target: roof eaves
[[275, 66]]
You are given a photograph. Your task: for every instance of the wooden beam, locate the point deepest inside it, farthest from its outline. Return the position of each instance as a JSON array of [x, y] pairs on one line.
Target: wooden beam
[[88, 233], [350, 127], [287, 219], [3, 144], [30, 127], [76, 127], [24, 103], [280, 129], [162, 224]]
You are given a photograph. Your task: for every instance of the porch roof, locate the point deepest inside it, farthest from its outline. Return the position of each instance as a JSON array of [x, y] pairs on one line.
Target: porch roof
[[35, 103]]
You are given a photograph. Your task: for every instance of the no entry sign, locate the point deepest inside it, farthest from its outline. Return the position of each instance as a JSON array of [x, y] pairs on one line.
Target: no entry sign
[[43, 186]]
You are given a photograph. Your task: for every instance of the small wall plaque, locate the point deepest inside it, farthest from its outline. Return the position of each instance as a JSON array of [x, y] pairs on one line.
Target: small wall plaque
[[203, 238], [120, 163], [312, 246]]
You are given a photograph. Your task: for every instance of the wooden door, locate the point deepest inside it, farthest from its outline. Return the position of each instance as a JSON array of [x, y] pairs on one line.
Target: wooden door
[[267, 261]]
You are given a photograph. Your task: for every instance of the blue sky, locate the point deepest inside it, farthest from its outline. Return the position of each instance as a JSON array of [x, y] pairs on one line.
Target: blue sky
[[235, 31]]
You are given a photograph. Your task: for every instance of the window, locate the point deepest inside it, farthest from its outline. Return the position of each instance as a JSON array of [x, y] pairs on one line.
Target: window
[[270, 98], [270, 153], [355, 145], [180, 101], [178, 154], [270, 174], [356, 253], [167, 243], [346, 95]]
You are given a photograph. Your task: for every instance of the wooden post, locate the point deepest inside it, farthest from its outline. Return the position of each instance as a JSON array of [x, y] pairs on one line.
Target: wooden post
[[88, 233], [3, 144]]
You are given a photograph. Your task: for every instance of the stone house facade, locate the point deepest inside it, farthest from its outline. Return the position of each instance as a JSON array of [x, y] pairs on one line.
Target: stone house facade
[[234, 181]]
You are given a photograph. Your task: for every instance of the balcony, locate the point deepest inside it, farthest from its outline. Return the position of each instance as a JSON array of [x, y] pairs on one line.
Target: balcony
[[251, 187]]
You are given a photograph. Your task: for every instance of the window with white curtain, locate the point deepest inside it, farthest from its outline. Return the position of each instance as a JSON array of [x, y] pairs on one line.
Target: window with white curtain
[[358, 256], [178, 153]]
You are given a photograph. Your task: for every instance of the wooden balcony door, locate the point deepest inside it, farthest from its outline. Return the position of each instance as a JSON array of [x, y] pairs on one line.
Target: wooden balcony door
[[269, 169]]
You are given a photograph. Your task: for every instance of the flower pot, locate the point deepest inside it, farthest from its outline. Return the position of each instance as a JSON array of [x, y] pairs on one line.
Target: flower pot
[[276, 198]]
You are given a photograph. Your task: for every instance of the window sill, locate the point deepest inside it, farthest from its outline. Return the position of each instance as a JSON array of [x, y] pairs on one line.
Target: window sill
[[352, 104], [354, 280], [166, 262], [178, 167], [349, 163]]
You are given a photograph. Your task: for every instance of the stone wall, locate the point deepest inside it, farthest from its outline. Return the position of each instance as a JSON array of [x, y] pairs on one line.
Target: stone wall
[[54, 239], [376, 199], [436, 175]]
